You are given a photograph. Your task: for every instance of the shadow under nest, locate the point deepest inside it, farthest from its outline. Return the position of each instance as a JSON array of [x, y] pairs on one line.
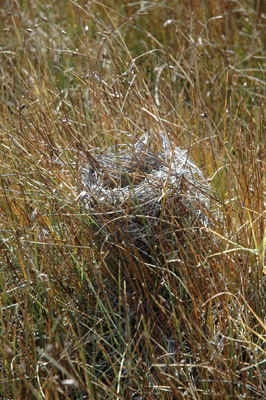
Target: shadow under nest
[[147, 200]]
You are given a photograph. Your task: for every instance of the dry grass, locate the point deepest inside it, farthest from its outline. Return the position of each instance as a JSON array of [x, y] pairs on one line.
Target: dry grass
[[86, 313]]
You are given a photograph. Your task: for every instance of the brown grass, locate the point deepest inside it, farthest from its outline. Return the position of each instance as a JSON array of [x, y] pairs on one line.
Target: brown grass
[[85, 314]]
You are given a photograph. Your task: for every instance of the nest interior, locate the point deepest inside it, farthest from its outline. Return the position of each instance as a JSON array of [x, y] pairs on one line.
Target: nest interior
[[147, 194]]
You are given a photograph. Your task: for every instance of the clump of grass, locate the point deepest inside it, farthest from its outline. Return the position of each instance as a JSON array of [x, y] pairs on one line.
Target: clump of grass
[[89, 318]]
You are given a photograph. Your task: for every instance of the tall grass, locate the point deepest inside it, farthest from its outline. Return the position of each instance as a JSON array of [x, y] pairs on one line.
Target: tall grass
[[83, 318]]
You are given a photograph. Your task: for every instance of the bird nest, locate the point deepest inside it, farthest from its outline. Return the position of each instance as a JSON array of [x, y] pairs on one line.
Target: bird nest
[[145, 195]]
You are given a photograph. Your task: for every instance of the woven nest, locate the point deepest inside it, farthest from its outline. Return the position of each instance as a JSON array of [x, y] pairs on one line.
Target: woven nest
[[144, 195]]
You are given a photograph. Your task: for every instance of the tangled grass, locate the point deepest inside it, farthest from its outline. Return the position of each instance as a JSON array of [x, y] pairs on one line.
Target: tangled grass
[[143, 197], [127, 270]]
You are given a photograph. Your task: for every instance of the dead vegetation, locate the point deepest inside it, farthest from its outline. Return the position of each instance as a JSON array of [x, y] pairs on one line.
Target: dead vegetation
[[132, 253], [145, 194]]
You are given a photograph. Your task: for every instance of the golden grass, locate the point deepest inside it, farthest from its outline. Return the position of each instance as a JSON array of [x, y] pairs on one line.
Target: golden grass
[[83, 318]]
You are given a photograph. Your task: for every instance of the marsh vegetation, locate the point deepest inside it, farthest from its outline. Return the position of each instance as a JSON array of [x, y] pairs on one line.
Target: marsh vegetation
[[132, 210]]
